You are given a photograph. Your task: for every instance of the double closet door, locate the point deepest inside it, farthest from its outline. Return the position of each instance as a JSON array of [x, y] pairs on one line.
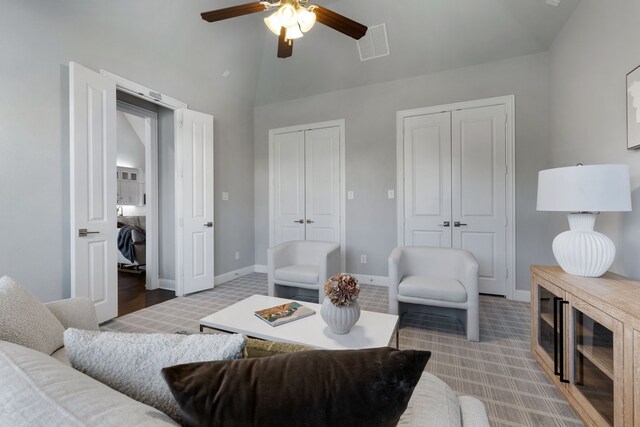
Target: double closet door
[[455, 186], [305, 190]]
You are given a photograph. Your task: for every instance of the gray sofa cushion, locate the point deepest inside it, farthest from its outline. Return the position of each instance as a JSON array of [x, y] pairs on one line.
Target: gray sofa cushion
[[433, 404], [131, 363], [26, 321], [37, 390]]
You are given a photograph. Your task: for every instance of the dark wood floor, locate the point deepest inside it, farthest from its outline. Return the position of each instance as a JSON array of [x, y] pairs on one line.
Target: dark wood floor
[[132, 295]]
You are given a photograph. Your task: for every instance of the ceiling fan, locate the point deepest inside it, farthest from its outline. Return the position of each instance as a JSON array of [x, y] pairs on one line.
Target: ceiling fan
[[291, 19]]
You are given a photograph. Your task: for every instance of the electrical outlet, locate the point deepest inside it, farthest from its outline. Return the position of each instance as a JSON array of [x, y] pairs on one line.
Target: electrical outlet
[[363, 259], [237, 255], [225, 195], [350, 195], [391, 194]]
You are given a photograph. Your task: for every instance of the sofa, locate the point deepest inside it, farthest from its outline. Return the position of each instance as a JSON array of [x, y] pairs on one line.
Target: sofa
[[39, 389]]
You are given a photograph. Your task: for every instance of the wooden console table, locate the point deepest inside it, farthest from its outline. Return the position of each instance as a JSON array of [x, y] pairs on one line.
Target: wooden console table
[[585, 333]]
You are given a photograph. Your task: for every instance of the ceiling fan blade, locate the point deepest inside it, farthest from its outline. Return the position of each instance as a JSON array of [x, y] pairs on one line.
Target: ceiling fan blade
[[234, 11], [340, 23], [285, 47]]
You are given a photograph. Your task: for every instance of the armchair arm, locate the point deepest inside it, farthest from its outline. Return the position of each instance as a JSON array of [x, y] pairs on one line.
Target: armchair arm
[[277, 256], [75, 313], [329, 265], [467, 273]]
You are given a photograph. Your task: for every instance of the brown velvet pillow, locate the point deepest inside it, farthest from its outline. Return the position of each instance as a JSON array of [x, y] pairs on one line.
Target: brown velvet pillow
[[310, 388]]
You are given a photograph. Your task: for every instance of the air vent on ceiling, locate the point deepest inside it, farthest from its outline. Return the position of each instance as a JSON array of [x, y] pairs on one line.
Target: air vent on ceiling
[[374, 44]]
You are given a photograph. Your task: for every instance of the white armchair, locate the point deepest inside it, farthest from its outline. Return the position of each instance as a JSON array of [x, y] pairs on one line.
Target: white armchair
[[440, 280], [305, 264]]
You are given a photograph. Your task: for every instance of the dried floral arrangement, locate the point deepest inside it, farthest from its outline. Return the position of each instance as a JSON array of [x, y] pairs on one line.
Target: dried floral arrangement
[[342, 289]]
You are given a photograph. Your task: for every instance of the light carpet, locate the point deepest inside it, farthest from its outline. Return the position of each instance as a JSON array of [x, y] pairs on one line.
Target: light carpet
[[499, 370]]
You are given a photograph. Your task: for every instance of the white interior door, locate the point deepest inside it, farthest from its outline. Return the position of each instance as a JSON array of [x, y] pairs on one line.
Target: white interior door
[[479, 191], [322, 184], [92, 106], [427, 180], [288, 164], [194, 175]]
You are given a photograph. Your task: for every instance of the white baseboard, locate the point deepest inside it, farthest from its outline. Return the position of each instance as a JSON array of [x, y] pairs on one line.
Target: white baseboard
[[259, 268], [367, 279], [521, 295], [169, 285], [226, 277]]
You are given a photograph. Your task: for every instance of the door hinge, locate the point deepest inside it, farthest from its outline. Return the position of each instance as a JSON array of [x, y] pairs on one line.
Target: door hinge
[[506, 273]]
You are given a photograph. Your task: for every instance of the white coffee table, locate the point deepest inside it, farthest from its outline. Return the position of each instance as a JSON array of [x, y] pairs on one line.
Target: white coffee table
[[372, 330]]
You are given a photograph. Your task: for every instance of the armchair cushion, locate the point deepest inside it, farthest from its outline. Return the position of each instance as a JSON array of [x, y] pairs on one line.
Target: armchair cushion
[[298, 273], [26, 321], [436, 288]]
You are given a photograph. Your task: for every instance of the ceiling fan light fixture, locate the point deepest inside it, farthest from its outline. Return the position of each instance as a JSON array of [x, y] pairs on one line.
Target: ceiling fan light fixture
[[273, 23], [293, 32], [306, 19], [288, 15]]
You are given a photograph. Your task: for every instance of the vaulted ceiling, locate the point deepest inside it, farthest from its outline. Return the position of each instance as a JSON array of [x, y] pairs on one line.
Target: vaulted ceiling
[[425, 36]]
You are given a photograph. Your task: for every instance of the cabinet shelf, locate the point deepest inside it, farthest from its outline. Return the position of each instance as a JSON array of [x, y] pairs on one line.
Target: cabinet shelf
[[601, 357], [547, 318]]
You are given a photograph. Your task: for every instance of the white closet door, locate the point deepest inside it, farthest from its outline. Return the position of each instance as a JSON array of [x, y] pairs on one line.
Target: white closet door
[[195, 210], [479, 191], [322, 184], [92, 108], [288, 161], [427, 180]]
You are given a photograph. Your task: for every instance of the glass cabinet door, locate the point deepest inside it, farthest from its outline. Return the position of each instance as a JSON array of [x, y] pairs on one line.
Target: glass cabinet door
[[547, 322], [594, 363]]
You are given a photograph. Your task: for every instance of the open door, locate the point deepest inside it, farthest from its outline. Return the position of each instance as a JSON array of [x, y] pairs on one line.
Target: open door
[[194, 202], [92, 108]]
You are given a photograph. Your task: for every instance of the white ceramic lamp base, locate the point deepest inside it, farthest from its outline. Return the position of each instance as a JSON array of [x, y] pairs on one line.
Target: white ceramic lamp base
[[583, 251]]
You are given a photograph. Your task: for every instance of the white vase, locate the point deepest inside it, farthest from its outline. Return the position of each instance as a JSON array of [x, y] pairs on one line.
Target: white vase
[[340, 319]]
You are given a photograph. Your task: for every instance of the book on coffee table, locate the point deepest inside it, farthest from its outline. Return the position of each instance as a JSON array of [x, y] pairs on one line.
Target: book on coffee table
[[285, 313]]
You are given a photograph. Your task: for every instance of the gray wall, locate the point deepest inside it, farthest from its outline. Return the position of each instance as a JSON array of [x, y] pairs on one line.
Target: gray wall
[[179, 55], [589, 61], [370, 113]]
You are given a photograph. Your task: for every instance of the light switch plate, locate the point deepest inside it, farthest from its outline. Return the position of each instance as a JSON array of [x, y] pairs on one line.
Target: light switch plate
[[350, 195], [391, 194], [225, 195]]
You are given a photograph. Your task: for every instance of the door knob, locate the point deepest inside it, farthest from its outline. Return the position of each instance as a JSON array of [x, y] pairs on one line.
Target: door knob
[[208, 224], [310, 221], [300, 221], [458, 224], [444, 224], [83, 232]]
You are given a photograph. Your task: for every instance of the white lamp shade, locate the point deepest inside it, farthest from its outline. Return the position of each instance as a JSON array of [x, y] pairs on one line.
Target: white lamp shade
[[593, 188]]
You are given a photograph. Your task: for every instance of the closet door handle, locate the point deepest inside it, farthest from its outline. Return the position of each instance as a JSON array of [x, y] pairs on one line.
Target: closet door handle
[[458, 224], [310, 221], [444, 224], [208, 224], [300, 221]]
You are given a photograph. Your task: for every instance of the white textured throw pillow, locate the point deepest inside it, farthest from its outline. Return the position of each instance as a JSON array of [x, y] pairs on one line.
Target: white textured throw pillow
[[26, 321], [131, 363]]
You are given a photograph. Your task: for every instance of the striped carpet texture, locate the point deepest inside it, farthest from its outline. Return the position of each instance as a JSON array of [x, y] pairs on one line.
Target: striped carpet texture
[[499, 370]]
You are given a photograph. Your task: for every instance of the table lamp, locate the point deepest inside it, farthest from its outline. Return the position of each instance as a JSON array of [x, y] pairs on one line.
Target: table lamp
[[584, 191]]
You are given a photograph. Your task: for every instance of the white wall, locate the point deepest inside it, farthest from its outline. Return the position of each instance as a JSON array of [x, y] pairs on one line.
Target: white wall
[[130, 147], [370, 113], [589, 61], [162, 44]]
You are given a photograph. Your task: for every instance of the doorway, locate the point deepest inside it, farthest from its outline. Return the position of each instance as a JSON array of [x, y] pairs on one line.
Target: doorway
[[137, 205], [93, 215], [456, 184]]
